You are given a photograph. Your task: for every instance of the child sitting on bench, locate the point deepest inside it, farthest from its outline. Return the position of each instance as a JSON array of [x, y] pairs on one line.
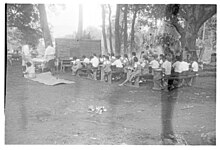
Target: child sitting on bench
[[30, 71], [118, 64], [136, 70], [107, 65], [76, 65], [193, 71]]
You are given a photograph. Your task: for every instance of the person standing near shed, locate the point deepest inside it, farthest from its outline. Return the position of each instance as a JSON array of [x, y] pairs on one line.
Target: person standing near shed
[[49, 57], [95, 63]]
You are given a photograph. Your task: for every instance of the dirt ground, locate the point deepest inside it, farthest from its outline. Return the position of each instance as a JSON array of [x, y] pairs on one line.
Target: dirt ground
[[39, 114]]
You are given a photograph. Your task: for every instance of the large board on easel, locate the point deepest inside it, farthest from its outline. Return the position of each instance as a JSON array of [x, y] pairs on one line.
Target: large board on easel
[[66, 48]]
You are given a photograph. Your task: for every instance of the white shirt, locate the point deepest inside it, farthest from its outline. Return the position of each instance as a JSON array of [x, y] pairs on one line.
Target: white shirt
[[101, 59], [195, 66], [184, 66], [167, 66], [117, 63], [161, 62], [143, 64], [106, 62], [49, 53], [30, 72], [125, 61], [136, 64], [177, 67], [86, 60], [25, 50], [154, 64], [95, 61]]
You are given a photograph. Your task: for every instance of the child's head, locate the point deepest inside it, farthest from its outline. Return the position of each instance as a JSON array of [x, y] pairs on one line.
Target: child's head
[[107, 57], [178, 58], [118, 57], [28, 64], [155, 56], [161, 56], [135, 59], [194, 59], [133, 53], [125, 56], [169, 57], [147, 47], [74, 57]]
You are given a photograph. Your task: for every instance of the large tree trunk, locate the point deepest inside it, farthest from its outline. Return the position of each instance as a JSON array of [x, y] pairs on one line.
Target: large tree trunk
[[44, 25], [125, 28], [103, 29], [110, 28], [132, 27], [117, 32], [202, 49], [194, 20], [168, 100], [80, 22]]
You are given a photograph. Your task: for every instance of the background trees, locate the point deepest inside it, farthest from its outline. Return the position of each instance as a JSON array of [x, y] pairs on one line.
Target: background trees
[[129, 27], [23, 24], [188, 19], [30, 21]]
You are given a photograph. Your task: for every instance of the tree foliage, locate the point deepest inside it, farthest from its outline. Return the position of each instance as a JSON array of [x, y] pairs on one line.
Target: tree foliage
[[25, 18], [187, 19]]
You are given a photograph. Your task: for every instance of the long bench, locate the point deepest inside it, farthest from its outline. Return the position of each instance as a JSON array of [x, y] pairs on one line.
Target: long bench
[[159, 79], [138, 78], [84, 72], [114, 73], [181, 77]]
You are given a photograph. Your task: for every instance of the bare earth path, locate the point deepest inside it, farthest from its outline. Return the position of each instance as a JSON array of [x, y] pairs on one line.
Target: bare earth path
[[41, 114]]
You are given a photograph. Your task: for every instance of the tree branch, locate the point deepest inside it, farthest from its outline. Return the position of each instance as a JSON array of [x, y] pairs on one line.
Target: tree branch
[[206, 15], [177, 26], [183, 13]]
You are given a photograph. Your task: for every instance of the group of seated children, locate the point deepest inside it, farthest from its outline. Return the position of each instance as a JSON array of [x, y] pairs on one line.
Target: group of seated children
[[181, 68], [134, 66]]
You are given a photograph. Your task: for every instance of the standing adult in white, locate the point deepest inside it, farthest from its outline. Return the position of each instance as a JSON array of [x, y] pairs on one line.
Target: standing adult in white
[[26, 56], [49, 57]]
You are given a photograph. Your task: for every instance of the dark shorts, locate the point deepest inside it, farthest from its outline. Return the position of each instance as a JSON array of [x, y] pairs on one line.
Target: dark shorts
[[51, 64], [94, 69]]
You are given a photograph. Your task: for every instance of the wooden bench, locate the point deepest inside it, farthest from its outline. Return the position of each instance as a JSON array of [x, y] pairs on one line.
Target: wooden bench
[[88, 71], [115, 73], [136, 81], [160, 79], [180, 77], [85, 71], [65, 63]]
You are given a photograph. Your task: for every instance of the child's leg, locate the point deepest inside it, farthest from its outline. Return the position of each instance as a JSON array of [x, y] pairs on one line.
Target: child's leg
[[134, 74], [94, 74], [127, 79]]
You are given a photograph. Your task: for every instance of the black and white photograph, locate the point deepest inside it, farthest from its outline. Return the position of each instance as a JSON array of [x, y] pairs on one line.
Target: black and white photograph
[[110, 73]]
